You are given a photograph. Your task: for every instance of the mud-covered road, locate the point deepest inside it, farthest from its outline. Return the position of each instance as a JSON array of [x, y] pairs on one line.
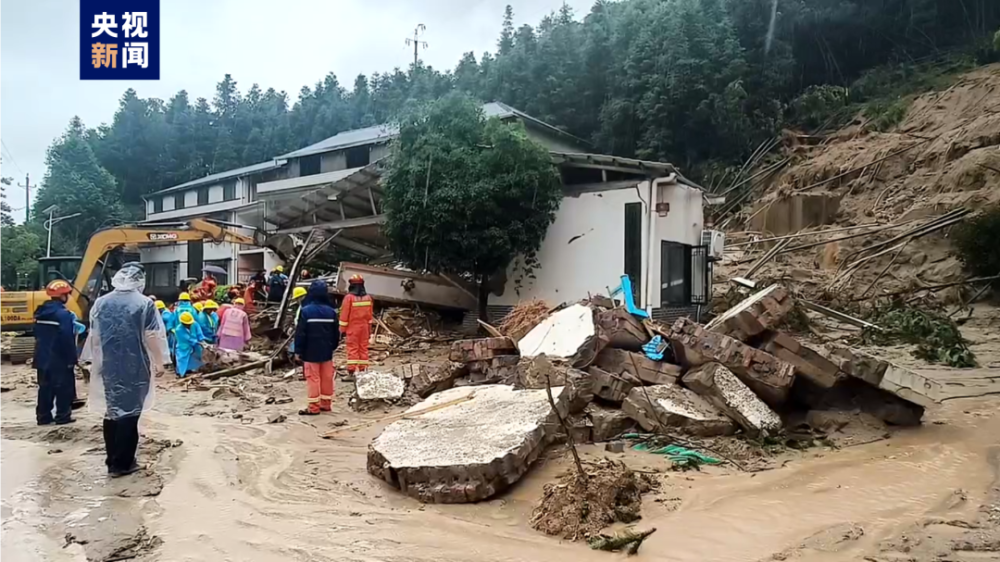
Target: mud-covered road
[[224, 484]]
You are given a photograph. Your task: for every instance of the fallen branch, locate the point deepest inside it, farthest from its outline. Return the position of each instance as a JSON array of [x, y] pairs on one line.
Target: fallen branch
[[837, 315], [232, 370], [620, 540], [396, 417], [580, 473], [766, 258]]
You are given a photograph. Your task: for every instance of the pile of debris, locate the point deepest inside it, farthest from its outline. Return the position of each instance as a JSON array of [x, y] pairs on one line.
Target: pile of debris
[[611, 372]]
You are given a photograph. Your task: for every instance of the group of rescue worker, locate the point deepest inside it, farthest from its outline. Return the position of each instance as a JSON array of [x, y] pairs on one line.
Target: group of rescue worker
[[138, 346]]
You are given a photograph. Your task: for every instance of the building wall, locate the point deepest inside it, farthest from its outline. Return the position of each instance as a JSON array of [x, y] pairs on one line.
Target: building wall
[[553, 141], [216, 196], [333, 161], [683, 223], [379, 151], [583, 251]]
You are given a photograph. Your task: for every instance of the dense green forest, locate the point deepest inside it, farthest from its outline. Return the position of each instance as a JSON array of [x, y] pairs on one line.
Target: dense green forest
[[687, 81]]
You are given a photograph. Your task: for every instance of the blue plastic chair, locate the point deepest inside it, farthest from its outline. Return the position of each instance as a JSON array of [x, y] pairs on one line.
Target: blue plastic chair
[[626, 290]]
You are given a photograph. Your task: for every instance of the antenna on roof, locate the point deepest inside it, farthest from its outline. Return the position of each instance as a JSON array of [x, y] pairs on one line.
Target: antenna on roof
[[416, 42]]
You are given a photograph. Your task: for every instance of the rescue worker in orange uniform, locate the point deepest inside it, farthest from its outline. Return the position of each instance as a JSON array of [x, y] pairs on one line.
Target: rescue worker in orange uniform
[[355, 323]]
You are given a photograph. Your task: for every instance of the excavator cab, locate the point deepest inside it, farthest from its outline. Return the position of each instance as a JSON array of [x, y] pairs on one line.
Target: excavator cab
[[63, 267]]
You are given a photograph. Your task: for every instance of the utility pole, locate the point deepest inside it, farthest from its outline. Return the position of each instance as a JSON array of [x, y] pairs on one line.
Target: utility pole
[[27, 196], [416, 42]]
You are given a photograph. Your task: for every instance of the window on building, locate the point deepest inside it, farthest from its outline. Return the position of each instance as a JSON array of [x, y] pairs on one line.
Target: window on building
[[158, 205], [229, 191], [675, 274], [179, 201], [633, 246], [358, 156], [309, 165], [162, 274], [203, 196]]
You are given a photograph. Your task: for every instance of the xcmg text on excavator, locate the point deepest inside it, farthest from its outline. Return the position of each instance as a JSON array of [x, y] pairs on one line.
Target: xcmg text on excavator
[[91, 274]]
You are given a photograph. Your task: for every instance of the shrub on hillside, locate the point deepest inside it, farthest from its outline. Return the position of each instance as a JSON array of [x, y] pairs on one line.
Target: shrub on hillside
[[975, 242]]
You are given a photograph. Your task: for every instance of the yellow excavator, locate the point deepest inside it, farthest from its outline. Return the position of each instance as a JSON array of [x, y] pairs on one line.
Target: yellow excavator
[[91, 274]]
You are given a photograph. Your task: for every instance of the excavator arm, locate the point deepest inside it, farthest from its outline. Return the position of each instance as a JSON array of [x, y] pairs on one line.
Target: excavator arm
[[104, 241]]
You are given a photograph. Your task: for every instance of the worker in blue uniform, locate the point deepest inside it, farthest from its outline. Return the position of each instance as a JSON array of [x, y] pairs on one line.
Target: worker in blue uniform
[[55, 356]]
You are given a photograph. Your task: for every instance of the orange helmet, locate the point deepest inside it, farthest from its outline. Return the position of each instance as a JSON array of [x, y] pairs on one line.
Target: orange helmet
[[58, 288], [355, 279]]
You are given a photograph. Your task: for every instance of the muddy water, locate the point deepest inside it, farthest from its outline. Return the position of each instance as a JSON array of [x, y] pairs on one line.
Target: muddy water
[[264, 492]]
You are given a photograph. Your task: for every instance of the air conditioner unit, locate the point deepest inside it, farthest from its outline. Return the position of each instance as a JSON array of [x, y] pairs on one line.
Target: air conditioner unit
[[713, 241]]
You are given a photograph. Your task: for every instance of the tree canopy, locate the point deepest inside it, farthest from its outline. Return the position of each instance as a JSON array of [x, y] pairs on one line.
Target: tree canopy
[[466, 194]]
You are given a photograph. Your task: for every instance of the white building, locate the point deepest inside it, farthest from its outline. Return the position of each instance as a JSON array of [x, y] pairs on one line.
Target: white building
[[228, 197], [619, 216]]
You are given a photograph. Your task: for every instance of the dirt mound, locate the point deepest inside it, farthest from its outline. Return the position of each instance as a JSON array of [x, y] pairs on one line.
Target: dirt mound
[[575, 509], [942, 156]]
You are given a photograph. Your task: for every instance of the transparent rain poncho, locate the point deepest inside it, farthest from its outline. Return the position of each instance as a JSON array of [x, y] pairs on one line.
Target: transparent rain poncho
[[127, 347]]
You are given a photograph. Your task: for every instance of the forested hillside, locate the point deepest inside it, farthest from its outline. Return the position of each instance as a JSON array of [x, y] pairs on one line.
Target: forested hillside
[[687, 81]]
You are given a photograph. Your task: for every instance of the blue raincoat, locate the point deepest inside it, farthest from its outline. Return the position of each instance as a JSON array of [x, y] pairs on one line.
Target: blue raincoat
[[187, 352], [170, 322], [209, 323]]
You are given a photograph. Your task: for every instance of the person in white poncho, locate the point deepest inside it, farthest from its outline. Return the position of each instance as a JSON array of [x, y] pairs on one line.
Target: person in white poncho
[[127, 348]]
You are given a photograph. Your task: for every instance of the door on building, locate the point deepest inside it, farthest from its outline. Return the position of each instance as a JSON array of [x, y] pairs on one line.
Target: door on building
[[675, 274], [633, 247], [196, 258]]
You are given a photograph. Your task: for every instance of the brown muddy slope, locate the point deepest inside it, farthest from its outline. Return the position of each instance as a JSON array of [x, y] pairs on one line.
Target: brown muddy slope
[[948, 157]]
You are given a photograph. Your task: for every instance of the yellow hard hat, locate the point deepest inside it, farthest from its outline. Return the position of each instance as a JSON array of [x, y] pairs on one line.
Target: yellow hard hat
[[184, 297], [160, 305], [199, 306], [211, 304], [279, 269], [298, 292], [239, 301], [187, 318]]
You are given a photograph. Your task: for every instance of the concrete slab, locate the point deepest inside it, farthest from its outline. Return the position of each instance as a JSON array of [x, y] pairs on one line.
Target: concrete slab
[[900, 381], [808, 362], [467, 452], [375, 385], [764, 310], [638, 366], [769, 377], [567, 334], [676, 408], [720, 387]]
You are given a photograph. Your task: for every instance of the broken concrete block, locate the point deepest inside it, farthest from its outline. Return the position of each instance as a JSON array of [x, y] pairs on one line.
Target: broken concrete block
[[622, 330], [425, 379], [676, 408], [502, 369], [764, 310], [808, 363], [769, 377], [637, 365], [466, 452], [539, 372], [464, 351], [373, 385], [904, 383], [607, 423], [719, 386], [580, 428], [608, 387], [567, 334]]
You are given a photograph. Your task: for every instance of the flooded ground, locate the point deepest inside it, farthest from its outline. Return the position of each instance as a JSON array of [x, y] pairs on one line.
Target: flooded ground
[[224, 484]]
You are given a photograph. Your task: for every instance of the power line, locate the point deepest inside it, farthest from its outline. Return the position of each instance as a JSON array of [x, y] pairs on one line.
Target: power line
[[11, 156]]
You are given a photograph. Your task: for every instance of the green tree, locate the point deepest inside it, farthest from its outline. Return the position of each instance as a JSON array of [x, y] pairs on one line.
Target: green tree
[[465, 194], [76, 182], [5, 211], [21, 249]]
